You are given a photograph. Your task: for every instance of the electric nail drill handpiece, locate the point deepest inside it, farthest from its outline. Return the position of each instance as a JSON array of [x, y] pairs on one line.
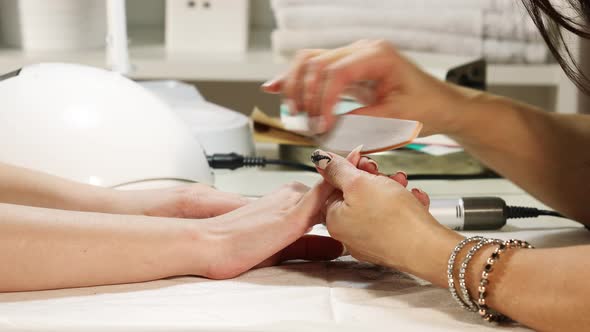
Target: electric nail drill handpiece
[[480, 213]]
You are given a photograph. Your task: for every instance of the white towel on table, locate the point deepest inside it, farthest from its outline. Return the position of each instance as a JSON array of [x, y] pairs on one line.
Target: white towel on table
[[496, 51], [498, 5]]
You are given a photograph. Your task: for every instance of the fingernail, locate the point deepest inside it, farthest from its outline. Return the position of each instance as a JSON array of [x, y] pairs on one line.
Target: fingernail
[[402, 173], [374, 166], [270, 83], [318, 124], [358, 149], [321, 159], [291, 106], [418, 191]]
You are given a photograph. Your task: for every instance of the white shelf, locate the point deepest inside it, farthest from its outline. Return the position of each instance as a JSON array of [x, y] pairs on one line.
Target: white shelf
[[151, 61]]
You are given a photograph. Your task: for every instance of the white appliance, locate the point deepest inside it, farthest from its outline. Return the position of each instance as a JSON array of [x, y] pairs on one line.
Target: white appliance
[[94, 126], [218, 129], [207, 26]]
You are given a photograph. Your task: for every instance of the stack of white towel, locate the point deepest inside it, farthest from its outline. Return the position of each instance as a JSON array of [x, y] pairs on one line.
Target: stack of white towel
[[499, 30]]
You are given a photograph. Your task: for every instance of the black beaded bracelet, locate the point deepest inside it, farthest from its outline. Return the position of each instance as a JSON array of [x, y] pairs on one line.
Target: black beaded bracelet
[[485, 312]]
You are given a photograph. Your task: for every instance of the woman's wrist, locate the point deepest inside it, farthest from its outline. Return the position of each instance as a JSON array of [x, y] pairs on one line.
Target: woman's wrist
[[435, 257], [195, 248], [458, 103], [476, 112], [88, 198], [430, 251]]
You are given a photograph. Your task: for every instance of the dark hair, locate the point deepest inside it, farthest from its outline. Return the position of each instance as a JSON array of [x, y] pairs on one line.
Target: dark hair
[[552, 22]]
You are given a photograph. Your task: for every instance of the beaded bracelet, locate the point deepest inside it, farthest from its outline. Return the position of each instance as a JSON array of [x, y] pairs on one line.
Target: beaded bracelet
[[451, 265], [472, 306], [484, 311]]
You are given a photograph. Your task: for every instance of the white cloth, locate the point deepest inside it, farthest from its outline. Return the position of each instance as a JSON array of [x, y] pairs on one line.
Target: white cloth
[[340, 296], [499, 51], [467, 22], [289, 41], [496, 5], [513, 25]]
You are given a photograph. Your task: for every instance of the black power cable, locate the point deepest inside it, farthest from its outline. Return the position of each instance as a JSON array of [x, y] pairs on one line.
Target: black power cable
[[520, 212], [234, 161]]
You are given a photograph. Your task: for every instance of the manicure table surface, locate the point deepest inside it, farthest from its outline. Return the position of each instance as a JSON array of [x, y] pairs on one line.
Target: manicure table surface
[[344, 295]]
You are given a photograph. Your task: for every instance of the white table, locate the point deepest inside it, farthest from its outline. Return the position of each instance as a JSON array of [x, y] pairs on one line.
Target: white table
[[337, 296]]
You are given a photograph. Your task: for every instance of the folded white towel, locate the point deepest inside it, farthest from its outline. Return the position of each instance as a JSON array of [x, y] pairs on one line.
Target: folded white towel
[[289, 41], [513, 24], [510, 26], [466, 22], [498, 5], [498, 51]]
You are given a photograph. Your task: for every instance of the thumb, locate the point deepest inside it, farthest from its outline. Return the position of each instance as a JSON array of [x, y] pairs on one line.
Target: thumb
[[336, 170]]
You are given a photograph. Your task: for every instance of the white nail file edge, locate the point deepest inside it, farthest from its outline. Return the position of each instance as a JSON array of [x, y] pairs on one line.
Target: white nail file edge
[[374, 133]]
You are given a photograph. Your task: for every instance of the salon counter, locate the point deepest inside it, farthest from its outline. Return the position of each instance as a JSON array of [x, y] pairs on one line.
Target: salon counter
[[343, 295]]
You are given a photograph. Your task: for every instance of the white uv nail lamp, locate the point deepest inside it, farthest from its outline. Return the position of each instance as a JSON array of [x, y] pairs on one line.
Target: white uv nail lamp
[[94, 126]]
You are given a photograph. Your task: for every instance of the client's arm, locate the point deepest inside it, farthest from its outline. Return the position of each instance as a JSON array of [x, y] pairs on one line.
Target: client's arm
[[27, 187], [46, 248]]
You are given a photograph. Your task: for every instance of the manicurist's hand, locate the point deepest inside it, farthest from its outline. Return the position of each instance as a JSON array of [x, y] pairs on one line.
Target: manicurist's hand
[[377, 75], [380, 221]]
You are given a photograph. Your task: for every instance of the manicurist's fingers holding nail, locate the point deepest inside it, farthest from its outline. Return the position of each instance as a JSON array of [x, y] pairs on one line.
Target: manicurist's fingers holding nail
[[375, 216]]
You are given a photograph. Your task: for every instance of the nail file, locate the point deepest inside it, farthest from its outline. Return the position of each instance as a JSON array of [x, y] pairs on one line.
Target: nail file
[[375, 134]]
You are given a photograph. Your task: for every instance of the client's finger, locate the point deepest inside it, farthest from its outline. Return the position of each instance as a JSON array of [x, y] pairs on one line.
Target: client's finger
[[400, 177], [339, 172], [313, 202], [368, 165], [354, 157], [313, 248], [422, 197]]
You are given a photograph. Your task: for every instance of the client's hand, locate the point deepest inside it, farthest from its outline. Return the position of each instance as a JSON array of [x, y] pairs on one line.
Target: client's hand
[[268, 231], [379, 221], [196, 201]]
